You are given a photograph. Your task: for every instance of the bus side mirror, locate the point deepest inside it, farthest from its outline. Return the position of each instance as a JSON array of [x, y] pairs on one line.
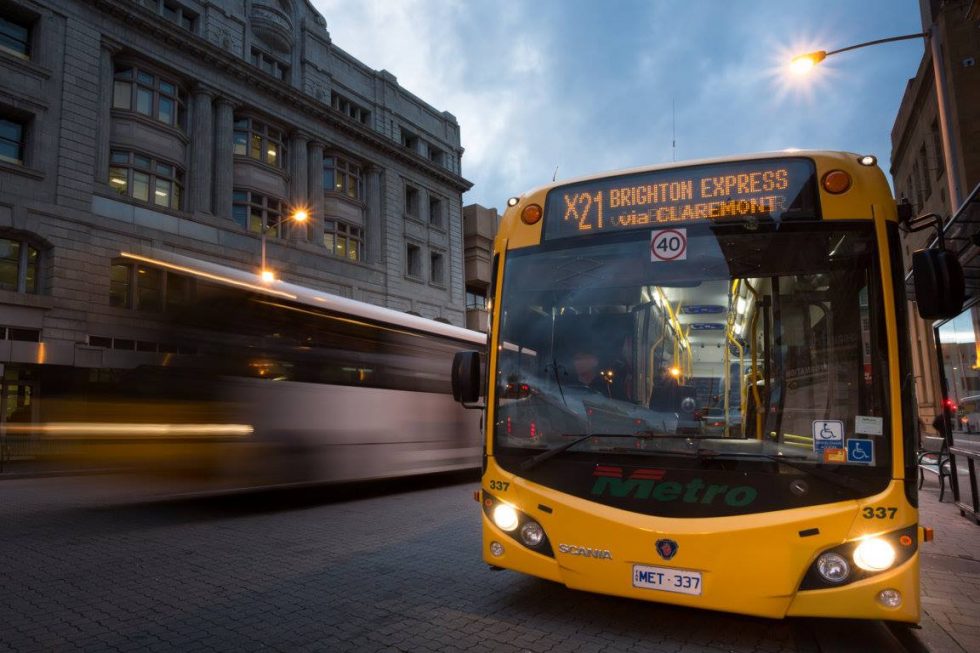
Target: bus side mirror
[[466, 378], [939, 284]]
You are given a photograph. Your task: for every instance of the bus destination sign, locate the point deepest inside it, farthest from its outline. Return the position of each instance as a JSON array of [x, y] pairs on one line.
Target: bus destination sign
[[769, 189]]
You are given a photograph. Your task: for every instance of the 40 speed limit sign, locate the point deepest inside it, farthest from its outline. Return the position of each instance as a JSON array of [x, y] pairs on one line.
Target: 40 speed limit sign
[[668, 245]]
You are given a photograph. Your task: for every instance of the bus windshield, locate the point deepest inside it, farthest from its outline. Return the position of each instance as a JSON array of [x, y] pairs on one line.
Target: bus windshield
[[758, 341]]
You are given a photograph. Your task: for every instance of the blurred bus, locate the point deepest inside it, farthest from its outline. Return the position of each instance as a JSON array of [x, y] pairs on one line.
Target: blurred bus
[[250, 384]]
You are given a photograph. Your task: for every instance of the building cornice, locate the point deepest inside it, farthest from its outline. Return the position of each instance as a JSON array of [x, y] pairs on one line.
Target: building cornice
[[148, 25]]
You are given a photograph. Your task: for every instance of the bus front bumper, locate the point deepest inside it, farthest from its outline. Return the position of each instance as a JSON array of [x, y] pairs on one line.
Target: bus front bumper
[[744, 576]]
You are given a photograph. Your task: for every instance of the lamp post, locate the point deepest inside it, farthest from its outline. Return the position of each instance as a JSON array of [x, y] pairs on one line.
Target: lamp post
[[300, 215], [803, 63]]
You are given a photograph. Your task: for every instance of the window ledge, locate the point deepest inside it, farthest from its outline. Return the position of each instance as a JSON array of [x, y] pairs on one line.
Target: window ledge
[[22, 170], [262, 165], [106, 191], [24, 65], [414, 218], [26, 299], [170, 130], [333, 195], [438, 284], [415, 279], [437, 227]]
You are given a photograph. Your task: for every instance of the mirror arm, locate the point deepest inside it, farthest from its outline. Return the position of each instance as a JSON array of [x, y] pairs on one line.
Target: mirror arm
[[929, 221]]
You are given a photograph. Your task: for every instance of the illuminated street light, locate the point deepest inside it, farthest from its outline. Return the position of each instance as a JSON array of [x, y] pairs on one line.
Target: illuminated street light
[[804, 63], [300, 215]]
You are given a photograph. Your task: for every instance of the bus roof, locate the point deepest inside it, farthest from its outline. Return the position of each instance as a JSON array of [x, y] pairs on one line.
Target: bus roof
[[229, 276]]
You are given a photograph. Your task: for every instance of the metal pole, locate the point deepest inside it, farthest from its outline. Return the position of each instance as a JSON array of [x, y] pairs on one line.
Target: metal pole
[[890, 39], [942, 103]]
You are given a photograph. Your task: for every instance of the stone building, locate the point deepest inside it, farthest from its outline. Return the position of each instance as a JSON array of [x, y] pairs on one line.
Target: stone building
[[193, 126], [918, 167], [480, 226]]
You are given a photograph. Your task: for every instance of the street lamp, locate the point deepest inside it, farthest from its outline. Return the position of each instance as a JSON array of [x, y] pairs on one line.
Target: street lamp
[[804, 63], [300, 215]]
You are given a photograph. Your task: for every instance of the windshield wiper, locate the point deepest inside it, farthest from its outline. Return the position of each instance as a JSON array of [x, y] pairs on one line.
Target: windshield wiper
[[531, 463], [790, 461]]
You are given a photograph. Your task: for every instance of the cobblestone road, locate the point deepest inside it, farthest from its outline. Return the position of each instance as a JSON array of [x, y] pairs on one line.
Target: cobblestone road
[[88, 564]]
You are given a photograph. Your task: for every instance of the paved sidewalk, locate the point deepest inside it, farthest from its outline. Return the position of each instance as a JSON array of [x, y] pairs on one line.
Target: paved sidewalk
[[950, 575]]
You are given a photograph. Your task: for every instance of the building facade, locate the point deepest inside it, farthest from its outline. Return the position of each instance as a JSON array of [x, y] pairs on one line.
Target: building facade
[[918, 167], [480, 227], [195, 127]]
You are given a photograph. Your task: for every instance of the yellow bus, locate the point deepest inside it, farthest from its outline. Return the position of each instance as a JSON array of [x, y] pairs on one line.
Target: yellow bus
[[764, 292]]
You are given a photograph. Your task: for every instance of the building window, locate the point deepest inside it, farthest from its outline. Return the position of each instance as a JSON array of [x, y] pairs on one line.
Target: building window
[[476, 299], [150, 95], [348, 108], [916, 181], [19, 266], [260, 141], [257, 213], [147, 289], [411, 201], [269, 64], [342, 176], [174, 12], [435, 211], [437, 156], [926, 179], [343, 240], [410, 140], [937, 146], [437, 268], [12, 138], [145, 179], [15, 36], [413, 261]]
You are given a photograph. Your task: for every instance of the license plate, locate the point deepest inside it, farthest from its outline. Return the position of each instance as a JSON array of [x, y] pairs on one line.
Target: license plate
[[665, 579]]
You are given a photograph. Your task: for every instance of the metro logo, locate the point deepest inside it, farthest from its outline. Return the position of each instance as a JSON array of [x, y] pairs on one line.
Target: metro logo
[[649, 484]]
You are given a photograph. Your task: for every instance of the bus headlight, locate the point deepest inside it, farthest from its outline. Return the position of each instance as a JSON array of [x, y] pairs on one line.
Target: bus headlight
[[532, 533], [505, 517], [518, 525], [833, 567], [859, 559], [874, 554]]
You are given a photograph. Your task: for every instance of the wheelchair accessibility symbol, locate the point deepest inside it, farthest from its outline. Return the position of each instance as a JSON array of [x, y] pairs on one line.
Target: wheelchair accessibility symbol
[[828, 434], [860, 451]]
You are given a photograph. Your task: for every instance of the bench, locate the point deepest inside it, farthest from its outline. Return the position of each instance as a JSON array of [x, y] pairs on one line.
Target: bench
[[935, 461]]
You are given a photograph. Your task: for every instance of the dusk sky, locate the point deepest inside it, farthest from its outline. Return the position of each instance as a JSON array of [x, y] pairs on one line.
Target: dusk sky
[[587, 86]]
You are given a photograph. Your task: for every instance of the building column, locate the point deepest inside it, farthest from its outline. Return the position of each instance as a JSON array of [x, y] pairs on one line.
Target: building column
[[298, 172], [314, 187], [202, 150], [223, 164], [103, 125], [374, 232]]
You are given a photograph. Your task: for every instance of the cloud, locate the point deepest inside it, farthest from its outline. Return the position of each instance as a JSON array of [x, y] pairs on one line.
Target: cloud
[[590, 86]]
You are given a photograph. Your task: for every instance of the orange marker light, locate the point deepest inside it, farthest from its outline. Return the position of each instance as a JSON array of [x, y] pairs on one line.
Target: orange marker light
[[905, 540], [531, 214], [836, 182]]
